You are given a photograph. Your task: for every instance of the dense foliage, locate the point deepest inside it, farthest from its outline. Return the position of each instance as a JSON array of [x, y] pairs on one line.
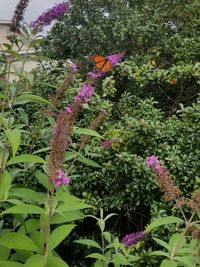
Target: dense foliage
[[129, 148], [160, 38]]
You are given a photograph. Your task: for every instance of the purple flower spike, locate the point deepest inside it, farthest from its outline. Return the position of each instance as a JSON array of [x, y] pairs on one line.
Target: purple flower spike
[[131, 239], [61, 179], [51, 14], [84, 93], [115, 58]]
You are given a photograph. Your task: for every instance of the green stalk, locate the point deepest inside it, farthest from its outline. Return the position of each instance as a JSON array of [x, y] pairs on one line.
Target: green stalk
[[12, 103]]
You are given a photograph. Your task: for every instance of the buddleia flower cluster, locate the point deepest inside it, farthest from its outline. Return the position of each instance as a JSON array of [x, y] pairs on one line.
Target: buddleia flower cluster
[[65, 120], [131, 239], [51, 14], [18, 15], [165, 181]]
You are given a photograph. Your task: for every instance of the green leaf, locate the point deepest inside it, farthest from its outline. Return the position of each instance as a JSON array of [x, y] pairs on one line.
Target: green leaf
[[119, 258], [28, 195], [41, 150], [10, 264], [85, 131], [18, 241], [98, 263], [109, 216], [72, 206], [132, 258], [97, 256], [70, 155], [186, 251], [56, 262], [59, 234], [29, 226], [23, 115], [162, 243], [14, 137], [38, 238], [4, 253], [177, 238], [42, 178], [168, 263], [26, 158], [5, 184], [88, 162], [88, 242], [107, 236], [66, 196], [159, 253], [185, 261], [116, 243], [66, 217], [35, 261], [26, 208], [4, 154], [163, 221], [26, 98]]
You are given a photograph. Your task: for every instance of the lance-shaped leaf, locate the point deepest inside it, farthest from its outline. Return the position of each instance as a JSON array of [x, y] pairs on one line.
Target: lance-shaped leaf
[[163, 221], [5, 184], [14, 139], [26, 98], [26, 158], [18, 241], [24, 208], [58, 235]]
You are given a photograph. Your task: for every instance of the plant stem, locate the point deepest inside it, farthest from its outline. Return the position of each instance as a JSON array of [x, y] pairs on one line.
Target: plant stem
[[188, 223], [47, 228], [12, 104]]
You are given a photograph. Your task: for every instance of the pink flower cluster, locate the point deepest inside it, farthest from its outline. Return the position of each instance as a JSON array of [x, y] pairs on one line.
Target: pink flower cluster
[[84, 93], [51, 14], [73, 67], [94, 74], [154, 164], [68, 109], [60, 179], [115, 58]]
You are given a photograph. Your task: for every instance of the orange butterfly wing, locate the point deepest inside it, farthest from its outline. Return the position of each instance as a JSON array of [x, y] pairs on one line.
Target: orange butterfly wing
[[102, 63]]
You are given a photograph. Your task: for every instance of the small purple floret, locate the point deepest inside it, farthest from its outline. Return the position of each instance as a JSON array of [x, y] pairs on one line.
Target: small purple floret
[[131, 239], [94, 74], [84, 93], [68, 109], [61, 179], [73, 67]]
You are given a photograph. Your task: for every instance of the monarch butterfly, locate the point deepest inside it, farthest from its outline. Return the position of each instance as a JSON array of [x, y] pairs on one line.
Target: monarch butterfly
[[102, 63]]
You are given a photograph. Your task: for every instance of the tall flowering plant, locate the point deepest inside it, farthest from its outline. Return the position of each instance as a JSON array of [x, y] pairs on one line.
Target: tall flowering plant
[[40, 221], [182, 249]]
